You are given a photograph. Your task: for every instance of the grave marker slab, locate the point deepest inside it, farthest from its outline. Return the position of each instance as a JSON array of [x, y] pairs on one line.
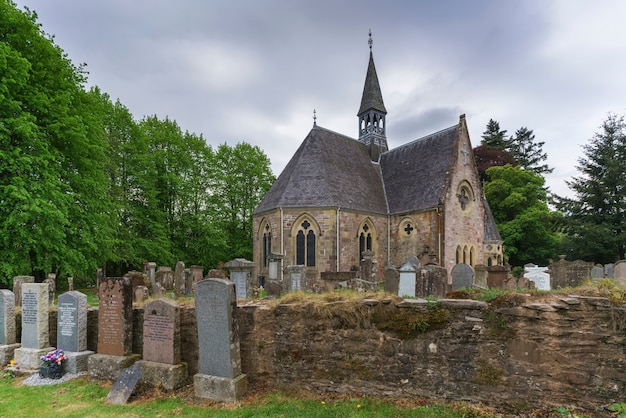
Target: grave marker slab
[[462, 276], [124, 385], [406, 286], [115, 319], [17, 287], [179, 279], [35, 332], [219, 367], [241, 274], [72, 321], [619, 272], [161, 332], [296, 280], [7, 326]]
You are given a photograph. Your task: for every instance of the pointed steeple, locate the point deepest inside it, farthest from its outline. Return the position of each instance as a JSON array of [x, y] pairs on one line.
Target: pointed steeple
[[372, 129]]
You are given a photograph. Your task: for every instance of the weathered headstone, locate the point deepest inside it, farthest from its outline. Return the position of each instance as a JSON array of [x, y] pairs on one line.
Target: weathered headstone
[[392, 279], [124, 385], [197, 274], [296, 279], [115, 318], [161, 363], [150, 272], [480, 275], [408, 280], [597, 272], [99, 277], [165, 277], [17, 287], [115, 329], [432, 281], [52, 287], [141, 294], [219, 367], [7, 326], [179, 279], [35, 331], [619, 272], [367, 266], [188, 281], [241, 274], [608, 270], [497, 276], [72, 330], [462, 276], [70, 283]]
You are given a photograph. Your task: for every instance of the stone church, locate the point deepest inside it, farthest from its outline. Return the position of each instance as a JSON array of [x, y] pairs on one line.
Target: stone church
[[340, 197]]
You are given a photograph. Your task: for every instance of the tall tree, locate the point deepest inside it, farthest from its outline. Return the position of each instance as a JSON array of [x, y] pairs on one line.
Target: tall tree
[[518, 202], [493, 137], [486, 158], [527, 152], [595, 217], [242, 177], [51, 182]]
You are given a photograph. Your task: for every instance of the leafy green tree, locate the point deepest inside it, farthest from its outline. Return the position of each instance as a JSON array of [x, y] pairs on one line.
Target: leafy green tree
[[595, 218], [518, 202], [242, 177], [51, 183], [493, 137], [527, 152]]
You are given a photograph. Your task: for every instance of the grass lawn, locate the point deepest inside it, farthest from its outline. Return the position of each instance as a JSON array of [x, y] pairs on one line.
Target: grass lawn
[[84, 397]]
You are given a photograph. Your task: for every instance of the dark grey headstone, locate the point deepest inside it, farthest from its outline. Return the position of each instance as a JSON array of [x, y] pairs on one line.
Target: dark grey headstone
[[35, 333], [462, 276], [72, 322], [124, 385], [7, 317], [218, 344], [392, 280]]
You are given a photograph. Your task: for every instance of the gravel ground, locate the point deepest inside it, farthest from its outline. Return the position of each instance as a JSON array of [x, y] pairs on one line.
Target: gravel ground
[[35, 380]]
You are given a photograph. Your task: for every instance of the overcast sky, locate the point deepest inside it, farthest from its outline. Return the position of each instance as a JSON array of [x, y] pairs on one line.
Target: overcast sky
[[254, 70]]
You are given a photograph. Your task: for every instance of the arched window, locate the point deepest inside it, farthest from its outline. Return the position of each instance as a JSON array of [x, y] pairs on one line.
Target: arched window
[[365, 240], [305, 245], [472, 256], [267, 244], [465, 255], [459, 254], [489, 262]]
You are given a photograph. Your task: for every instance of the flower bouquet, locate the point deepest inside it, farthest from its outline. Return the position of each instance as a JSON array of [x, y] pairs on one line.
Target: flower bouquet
[[52, 367]]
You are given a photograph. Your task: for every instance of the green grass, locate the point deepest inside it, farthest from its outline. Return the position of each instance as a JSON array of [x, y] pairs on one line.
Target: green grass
[[84, 398]]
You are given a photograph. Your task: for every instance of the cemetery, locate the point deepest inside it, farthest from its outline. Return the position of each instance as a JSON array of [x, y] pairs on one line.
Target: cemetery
[[415, 336]]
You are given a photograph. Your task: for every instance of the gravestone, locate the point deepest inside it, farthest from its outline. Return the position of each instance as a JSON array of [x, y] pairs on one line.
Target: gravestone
[[219, 366], [538, 275], [608, 270], [565, 273], [7, 326], [392, 279], [141, 294], [188, 281], [241, 274], [70, 283], [72, 330], [408, 280], [597, 272], [296, 279], [150, 272], [197, 274], [115, 329], [165, 277], [432, 281], [52, 287], [619, 272], [480, 275], [497, 276], [161, 363], [158, 291], [462, 276], [17, 287], [179, 279], [99, 278], [35, 330], [124, 385]]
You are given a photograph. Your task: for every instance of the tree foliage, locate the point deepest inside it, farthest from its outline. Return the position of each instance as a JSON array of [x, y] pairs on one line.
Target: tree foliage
[[595, 219], [493, 137], [486, 157], [82, 184], [527, 152], [518, 202]]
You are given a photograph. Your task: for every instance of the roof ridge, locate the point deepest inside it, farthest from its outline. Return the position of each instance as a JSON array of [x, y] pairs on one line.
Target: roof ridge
[[422, 138]]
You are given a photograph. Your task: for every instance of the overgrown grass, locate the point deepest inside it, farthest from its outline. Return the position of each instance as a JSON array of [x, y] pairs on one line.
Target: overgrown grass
[[82, 398]]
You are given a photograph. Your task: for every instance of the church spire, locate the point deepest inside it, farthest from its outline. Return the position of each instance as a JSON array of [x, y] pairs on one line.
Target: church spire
[[372, 129]]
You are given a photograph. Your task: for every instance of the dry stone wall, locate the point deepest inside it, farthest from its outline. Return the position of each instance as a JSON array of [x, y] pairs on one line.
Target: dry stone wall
[[518, 350]]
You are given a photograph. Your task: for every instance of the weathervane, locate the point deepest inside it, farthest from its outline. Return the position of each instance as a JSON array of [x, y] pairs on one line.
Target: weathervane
[[370, 42], [314, 118]]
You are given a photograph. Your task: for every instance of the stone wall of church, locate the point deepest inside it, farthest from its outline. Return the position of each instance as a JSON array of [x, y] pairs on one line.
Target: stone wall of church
[[350, 226], [413, 235], [464, 216]]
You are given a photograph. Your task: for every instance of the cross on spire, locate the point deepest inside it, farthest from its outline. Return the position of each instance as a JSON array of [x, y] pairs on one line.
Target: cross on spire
[[314, 118], [370, 42]]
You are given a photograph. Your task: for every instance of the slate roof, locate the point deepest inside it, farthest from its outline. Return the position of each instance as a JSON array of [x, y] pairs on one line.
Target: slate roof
[[328, 170], [372, 96], [414, 174], [491, 230]]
